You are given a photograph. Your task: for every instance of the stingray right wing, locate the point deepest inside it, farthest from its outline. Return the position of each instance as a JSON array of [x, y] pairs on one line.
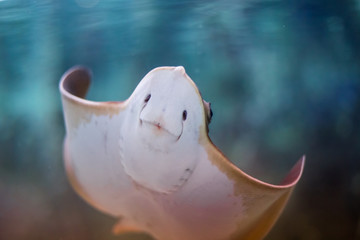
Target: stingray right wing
[[262, 203]]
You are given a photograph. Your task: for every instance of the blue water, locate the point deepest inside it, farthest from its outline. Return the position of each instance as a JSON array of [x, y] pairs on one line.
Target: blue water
[[283, 78]]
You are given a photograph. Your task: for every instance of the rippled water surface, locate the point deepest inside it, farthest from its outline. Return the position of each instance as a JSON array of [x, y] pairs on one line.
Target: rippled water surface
[[283, 78]]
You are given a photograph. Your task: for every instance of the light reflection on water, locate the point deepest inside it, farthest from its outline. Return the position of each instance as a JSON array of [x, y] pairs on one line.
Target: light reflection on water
[[283, 79]]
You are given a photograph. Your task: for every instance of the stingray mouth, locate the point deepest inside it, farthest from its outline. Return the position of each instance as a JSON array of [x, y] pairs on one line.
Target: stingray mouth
[[158, 128]]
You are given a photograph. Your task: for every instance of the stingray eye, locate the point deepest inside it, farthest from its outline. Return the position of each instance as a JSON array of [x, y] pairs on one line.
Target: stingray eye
[[184, 115], [147, 98], [209, 112]]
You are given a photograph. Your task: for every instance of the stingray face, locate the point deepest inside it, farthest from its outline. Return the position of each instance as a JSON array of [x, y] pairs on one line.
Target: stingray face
[[162, 118], [160, 141], [168, 104]]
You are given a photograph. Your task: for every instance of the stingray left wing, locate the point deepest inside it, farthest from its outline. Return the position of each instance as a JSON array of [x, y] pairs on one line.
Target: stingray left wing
[[91, 146], [74, 85]]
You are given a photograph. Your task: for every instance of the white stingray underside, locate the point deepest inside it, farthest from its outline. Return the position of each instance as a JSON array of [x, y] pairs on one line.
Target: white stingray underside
[[145, 161]]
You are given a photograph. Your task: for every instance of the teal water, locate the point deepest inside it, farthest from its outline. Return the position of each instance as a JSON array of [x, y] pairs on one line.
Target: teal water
[[283, 78]]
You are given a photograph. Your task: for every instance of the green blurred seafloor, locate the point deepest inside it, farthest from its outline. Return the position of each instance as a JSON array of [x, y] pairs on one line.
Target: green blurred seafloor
[[283, 78]]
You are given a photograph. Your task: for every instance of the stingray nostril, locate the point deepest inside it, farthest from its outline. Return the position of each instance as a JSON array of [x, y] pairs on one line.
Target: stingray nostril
[[147, 98], [184, 115]]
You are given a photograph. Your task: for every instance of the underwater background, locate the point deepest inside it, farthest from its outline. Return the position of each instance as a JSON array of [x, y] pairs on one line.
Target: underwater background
[[283, 77]]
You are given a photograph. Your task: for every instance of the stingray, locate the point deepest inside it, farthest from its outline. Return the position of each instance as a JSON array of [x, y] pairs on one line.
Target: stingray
[[149, 162]]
